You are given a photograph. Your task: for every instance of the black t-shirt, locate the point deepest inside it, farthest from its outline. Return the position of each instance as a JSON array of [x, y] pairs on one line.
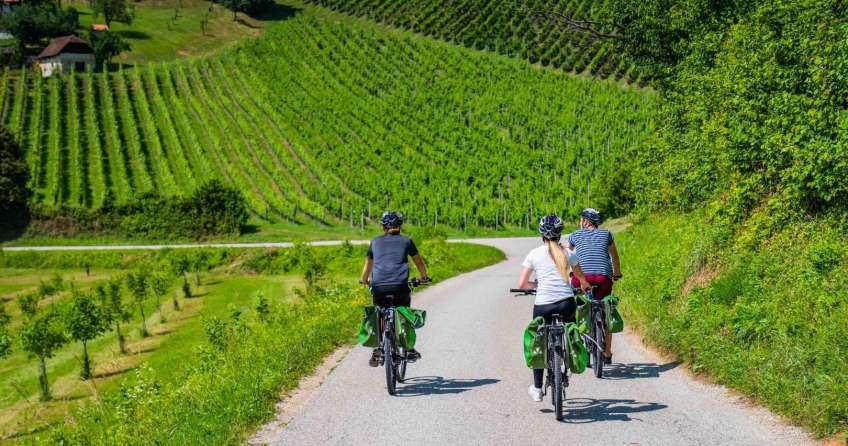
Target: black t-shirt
[[389, 253]]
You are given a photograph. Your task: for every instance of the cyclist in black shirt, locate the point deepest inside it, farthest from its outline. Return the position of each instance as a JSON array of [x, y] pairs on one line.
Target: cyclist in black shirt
[[386, 270]]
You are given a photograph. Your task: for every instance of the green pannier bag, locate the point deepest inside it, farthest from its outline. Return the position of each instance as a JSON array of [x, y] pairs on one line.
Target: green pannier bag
[[535, 344], [582, 316], [407, 319], [578, 354], [615, 323], [368, 336]]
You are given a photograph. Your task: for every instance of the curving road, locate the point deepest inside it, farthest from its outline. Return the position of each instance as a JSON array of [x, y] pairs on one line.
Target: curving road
[[470, 387]]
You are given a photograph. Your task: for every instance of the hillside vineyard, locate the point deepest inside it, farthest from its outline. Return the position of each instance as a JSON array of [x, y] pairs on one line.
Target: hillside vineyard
[[329, 122], [529, 29]]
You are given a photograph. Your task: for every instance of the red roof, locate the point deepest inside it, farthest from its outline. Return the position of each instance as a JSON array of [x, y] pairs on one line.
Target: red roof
[[100, 27], [66, 44], [11, 2]]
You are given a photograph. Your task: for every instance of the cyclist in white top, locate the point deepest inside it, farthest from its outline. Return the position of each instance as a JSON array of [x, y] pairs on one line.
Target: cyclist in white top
[[554, 295]]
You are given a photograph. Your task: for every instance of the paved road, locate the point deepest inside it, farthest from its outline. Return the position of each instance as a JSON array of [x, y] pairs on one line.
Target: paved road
[[471, 387]]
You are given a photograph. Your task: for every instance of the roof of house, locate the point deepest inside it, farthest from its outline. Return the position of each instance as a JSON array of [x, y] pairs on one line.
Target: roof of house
[[66, 44], [11, 2], [99, 27]]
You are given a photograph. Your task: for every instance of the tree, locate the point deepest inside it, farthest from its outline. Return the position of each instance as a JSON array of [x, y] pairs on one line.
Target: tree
[[33, 22], [113, 10], [112, 302], [137, 285], [14, 190], [41, 336], [107, 45], [157, 286], [85, 321], [5, 339], [180, 265]]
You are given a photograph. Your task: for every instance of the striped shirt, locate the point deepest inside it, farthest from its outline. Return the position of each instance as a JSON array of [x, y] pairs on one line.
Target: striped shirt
[[592, 248]]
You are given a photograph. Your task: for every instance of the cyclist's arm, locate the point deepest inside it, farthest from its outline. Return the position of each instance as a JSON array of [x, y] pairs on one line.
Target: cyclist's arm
[[524, 282], [616, 262], [578, 273], [422, 268], [366, 271]]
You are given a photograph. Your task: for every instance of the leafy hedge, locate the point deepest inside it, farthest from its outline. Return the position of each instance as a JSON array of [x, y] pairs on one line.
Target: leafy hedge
[[769, 322], [754, 104], [213, 209]]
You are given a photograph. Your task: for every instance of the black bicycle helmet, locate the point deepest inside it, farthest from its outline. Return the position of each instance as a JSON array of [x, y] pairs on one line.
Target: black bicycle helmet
[[391, 219], [550, 226], [592, 215]]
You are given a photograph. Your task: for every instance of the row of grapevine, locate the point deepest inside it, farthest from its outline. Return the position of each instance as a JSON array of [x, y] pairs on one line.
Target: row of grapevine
[[341, 121], [527, 29]]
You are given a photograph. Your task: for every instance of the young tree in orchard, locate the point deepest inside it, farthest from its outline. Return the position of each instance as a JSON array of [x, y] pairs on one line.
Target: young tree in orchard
[[14, 192], [5, 338], [180, 265], [113, 304], [137, 286], [107, 45], [85, 321], [41, 336], [113, 10], [157, 286]]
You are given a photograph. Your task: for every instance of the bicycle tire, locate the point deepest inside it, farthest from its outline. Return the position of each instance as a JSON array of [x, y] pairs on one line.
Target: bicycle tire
[[598, 356], [389, 363], [557, 390]]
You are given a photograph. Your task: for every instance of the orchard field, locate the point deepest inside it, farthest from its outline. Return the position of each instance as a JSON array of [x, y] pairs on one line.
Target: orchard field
[[329, 120], [535, 30]]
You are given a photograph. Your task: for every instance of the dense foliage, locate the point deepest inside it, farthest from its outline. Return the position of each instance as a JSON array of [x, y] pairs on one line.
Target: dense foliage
[[558, 33], [770, 323], [14, 187], [342, 121], [754, 105]]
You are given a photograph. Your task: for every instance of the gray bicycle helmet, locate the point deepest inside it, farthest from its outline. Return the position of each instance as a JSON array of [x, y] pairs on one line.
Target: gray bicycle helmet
[[391, 219], [550, 226], [592, 215]]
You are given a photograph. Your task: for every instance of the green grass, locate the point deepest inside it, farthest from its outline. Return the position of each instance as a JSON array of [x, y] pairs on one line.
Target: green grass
[[768, 321], [175, 356], [155, 36]]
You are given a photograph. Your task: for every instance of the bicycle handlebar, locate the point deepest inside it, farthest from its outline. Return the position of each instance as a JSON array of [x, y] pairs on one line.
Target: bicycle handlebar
[[523, 291]]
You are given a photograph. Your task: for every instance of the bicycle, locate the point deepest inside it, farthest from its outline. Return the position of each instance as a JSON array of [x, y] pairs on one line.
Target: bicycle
[[393, 356], [556, 354], [595, 337]]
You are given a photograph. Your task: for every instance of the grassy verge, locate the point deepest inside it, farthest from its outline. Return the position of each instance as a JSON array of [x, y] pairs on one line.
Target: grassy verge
[[768, 321], [168, 29], [187, 383], [276, 232]]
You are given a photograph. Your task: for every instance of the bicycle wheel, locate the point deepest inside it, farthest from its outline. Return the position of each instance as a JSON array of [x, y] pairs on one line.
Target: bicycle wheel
[[389, 362], [557, 393], [598, 352]]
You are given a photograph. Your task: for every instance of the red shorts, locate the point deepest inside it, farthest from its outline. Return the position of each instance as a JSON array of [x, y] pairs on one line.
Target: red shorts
[[603, 283]]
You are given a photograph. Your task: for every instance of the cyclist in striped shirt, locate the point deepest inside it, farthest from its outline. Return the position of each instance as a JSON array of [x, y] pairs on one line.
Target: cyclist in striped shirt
[[598, 258]]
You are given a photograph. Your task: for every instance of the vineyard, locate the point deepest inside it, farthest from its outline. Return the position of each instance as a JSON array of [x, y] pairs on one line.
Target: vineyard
[[531, 30], [330, 122]]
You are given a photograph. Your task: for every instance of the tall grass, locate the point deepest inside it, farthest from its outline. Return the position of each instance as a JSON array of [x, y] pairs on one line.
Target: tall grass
[[768, 321]]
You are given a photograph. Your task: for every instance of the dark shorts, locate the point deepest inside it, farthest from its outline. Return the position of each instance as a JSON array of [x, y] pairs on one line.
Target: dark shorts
[[603, 283], [565, 308], [391, 295]]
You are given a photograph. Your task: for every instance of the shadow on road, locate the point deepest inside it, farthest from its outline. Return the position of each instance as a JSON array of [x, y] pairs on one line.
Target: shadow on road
[[637, 370], [437, 385], [588, 410]]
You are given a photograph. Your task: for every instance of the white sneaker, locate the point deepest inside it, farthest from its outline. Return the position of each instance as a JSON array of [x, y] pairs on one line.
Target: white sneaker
[[535, 393]]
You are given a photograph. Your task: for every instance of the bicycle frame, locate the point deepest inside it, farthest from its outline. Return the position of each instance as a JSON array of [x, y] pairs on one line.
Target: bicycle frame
[[555, 334]]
